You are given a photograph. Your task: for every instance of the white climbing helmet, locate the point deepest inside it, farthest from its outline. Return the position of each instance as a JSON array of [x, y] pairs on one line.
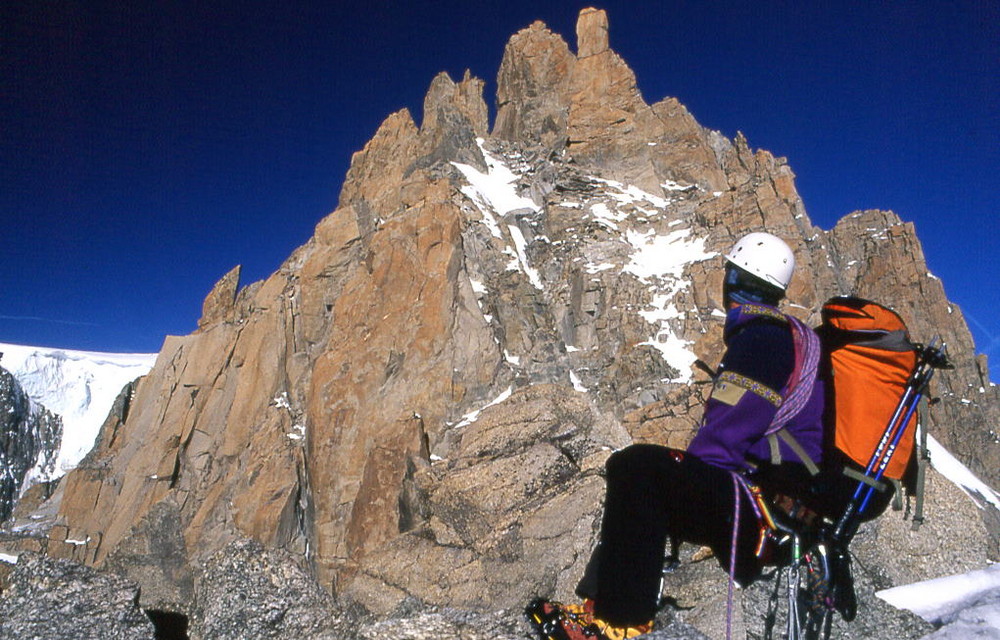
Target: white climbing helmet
[[765, 256]]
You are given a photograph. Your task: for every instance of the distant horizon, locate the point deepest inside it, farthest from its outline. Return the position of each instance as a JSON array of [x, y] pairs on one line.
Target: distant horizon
[[82, 352], [147, 151]]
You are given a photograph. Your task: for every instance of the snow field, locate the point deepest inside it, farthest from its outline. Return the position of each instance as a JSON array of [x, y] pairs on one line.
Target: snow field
[[78, 386]]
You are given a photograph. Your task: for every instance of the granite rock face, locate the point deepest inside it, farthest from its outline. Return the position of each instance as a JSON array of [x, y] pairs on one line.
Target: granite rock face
[[219, 305], [418, 403]]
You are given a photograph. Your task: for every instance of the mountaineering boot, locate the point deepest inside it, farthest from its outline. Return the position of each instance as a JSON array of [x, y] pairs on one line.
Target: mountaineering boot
[[556, 621], [611, 632]]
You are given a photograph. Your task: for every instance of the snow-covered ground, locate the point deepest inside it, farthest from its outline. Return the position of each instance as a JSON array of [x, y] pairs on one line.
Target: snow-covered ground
[[78, 386], [942, 599], [948, 466], [968, 604]]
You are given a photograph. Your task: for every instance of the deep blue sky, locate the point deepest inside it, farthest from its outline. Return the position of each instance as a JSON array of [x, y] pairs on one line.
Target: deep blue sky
[[147, 148]]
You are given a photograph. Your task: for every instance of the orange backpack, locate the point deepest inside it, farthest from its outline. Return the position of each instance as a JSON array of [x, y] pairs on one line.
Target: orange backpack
[[870, 360]]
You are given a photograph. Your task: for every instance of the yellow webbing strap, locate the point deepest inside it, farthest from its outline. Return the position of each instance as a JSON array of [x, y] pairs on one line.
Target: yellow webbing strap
[[897, 498], [772, 441], [793, 444], [854, 474], [923, 459]]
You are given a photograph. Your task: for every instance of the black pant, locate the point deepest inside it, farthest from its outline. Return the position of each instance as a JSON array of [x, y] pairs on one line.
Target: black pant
[[654, 492]]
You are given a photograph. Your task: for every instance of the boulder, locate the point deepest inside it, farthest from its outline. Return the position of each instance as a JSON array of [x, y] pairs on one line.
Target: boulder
[[53, 599]]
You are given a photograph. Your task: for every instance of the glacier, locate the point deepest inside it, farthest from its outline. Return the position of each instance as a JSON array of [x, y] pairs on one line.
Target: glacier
[[78, 386]]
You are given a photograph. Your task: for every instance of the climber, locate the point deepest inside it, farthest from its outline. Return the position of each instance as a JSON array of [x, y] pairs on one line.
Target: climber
[[655, 493]]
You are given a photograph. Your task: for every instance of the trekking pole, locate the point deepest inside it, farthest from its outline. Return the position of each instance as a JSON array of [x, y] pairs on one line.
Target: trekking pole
[[880, 471], [841, 531], [907, 400], [930, 358], [890, 429]]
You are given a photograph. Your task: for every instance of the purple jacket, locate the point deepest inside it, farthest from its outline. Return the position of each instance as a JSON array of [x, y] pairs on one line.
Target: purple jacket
[[760, 357]]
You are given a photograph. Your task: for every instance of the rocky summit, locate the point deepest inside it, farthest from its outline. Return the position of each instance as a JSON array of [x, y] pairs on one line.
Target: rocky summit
[[406, 424]]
